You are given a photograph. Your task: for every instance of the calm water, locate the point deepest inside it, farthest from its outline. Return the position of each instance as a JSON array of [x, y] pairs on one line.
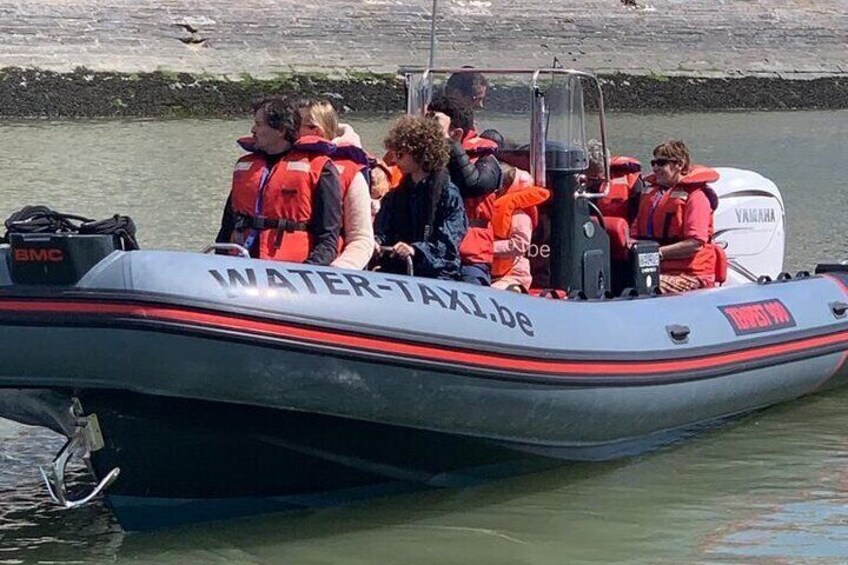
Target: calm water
[[771, 488]]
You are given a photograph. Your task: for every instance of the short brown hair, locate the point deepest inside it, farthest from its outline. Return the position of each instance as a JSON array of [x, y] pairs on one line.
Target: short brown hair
[[464, 83], [676, 150], [461, 114], [281, 114], [420, 137]]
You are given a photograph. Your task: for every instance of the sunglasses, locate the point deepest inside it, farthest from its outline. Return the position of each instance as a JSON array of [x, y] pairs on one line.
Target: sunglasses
[[662, 162]]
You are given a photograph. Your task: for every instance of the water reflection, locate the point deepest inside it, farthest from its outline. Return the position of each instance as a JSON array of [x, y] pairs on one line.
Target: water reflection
[[32, 528], [771, 488], [743, 493]]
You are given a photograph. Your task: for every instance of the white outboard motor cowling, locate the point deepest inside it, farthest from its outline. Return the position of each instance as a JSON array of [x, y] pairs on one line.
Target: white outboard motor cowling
[[751, 221]]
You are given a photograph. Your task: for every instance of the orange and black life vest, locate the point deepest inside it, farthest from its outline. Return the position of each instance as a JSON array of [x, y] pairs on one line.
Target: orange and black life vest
[[522, 195], [661, 218], [273, 206], [624, 174], [478, 244]]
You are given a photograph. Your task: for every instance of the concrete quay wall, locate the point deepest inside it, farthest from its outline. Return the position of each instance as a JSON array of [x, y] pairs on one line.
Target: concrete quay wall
[[187, 57]]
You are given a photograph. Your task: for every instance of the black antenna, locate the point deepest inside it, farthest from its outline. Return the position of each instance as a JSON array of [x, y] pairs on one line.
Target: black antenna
[[433, 36]]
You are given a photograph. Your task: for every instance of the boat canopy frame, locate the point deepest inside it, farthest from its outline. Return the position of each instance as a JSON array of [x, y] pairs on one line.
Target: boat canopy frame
[[420, 87]]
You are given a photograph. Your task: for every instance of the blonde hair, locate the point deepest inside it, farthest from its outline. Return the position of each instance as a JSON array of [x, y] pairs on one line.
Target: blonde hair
[[323, 115]]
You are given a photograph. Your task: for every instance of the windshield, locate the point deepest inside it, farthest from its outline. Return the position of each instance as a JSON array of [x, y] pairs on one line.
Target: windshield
[[538, 118]]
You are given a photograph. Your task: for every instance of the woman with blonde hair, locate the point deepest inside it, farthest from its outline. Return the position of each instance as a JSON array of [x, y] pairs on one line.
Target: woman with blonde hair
[[319, 118]]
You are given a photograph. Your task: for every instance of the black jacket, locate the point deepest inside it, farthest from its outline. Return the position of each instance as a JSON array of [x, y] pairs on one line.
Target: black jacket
[[430, 217]]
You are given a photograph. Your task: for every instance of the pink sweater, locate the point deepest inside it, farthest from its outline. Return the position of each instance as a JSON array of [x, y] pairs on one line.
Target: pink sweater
[[520, 232]]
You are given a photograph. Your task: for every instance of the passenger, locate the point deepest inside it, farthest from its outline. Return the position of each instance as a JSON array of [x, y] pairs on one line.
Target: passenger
[[625, 183], [475, 170], [470, 86], [515, 217], [423, 218], [677, 211], [394, 173], [380, 185], [285, 202], [495, 137], [319, 118]]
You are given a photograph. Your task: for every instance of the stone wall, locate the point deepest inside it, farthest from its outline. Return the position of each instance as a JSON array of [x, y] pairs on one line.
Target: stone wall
[[261, 37], [219, 42]]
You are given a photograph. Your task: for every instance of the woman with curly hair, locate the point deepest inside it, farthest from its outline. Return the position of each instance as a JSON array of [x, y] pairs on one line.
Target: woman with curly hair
[[423, 218]]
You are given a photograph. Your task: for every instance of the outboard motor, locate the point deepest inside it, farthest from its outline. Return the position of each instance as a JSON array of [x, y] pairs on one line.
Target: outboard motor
[[751, 222]]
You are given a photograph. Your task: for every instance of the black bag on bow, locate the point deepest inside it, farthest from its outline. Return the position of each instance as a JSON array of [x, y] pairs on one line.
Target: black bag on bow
[[41, 219], [49, 247]]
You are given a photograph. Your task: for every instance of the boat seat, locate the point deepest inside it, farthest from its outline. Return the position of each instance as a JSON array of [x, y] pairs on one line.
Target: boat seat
[[720, 264], [553, 293], [618, 231]]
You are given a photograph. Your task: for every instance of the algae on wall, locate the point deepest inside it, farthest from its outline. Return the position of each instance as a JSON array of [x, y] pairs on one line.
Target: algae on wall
[[86, 93], [161, 94]]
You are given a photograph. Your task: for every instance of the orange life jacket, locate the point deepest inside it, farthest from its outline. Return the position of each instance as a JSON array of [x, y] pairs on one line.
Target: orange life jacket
[[393, 172], [624, 173], [478, 244], [521, 195], [395, 176], [663, 222], [477, 146], [275, 205]]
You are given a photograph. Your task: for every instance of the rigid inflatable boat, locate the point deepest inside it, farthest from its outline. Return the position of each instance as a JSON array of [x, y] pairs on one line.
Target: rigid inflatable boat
[[201, 386]]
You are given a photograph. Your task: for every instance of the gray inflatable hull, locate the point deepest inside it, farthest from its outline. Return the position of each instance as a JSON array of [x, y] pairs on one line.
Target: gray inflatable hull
[[549, 378]]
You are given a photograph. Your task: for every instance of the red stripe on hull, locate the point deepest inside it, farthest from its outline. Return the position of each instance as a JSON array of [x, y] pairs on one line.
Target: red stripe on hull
[[842, 284], [378, 344]]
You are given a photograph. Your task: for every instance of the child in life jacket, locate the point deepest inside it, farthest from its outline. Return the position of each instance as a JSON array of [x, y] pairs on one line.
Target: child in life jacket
[[475, 170], [515, 217]]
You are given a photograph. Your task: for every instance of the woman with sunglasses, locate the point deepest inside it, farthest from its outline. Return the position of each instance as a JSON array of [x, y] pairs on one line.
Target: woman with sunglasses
[[677, 211]]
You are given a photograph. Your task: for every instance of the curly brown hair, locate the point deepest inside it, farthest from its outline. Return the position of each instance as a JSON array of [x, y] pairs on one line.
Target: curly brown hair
[[420, 137]]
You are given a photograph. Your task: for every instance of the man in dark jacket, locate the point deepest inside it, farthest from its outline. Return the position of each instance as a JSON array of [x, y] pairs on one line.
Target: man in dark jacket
[[423, 219], [475, 170]]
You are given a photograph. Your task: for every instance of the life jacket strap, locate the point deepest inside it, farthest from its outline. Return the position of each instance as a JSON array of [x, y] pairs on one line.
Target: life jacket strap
[[243, 222]]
